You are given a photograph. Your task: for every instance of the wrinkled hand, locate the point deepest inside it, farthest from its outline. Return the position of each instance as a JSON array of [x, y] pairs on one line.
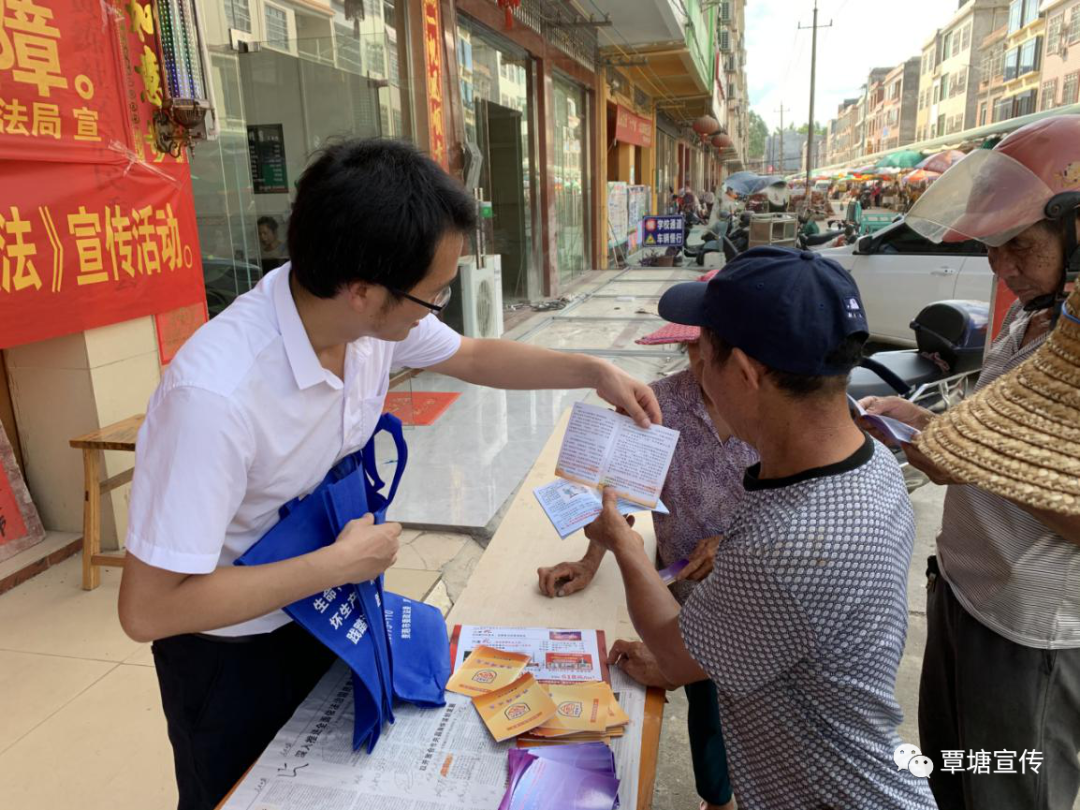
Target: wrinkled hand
[[612, 530], [628, 395], [701, 560], [917, 459], [899, 409], [363, 550], [637, 661], [566, 578], [896, 408]]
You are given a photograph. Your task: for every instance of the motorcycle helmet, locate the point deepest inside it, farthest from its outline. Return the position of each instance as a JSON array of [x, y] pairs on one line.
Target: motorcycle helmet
[[993, 195]]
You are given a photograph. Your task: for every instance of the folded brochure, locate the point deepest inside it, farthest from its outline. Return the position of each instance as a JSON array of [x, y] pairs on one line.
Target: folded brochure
[[571, 507], [515, 709], [487, 670], [893, 428], [603, 449]]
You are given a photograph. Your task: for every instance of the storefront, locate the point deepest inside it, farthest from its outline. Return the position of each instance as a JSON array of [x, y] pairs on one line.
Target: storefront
[[288, 78], [667, 160], [523, 118], [498, 85], [100, 271], [570, 181]]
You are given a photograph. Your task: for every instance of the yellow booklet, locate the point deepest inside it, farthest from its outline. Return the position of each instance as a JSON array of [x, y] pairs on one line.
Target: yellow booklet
[[616, 715], [515, 709], [580, 707], [486, 670]]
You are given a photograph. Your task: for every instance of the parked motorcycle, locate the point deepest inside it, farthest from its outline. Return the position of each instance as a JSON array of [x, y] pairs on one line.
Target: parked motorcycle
[[950, 338]]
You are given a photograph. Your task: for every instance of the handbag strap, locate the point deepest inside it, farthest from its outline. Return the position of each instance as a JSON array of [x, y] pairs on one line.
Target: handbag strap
[[392, 425]]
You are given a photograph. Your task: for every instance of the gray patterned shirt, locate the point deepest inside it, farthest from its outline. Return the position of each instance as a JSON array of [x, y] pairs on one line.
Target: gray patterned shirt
[[801, 626], [1007, 569]]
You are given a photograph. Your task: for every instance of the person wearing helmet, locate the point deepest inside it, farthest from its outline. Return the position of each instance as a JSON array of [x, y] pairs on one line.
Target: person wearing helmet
[[1001, 670]]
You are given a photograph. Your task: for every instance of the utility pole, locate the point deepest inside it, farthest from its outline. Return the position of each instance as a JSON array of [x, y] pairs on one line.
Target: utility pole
[[813, 80], [783, 160]]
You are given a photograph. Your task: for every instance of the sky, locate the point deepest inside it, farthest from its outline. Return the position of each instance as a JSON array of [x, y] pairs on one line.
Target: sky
[[865, 34]]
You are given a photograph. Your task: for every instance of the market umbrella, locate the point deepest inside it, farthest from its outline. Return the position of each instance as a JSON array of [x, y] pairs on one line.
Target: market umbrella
[[904, 159], [920, 177], [942, 161]]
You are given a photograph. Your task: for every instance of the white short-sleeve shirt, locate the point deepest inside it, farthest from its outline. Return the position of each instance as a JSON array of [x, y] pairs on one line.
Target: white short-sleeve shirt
[[246, 419]]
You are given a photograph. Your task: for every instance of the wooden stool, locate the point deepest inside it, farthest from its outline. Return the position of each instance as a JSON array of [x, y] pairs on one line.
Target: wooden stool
[[120, 436]]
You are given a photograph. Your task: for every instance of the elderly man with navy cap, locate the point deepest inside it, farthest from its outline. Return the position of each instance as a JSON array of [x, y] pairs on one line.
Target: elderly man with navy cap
[[802, 623]]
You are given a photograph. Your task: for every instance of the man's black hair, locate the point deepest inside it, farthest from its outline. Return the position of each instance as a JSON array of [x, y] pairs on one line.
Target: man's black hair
[[372, 210], [269, 222], [803, 386]]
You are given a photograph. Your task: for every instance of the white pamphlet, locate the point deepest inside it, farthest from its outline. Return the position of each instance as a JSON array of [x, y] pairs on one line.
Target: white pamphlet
[[604, 449], [571, 506], [893, 428]]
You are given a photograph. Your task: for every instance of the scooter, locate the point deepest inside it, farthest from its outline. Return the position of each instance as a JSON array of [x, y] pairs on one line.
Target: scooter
[[950, 337]]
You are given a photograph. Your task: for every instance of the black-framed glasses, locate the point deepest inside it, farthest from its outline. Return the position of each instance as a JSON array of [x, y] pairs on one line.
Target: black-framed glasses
[[440, 302]]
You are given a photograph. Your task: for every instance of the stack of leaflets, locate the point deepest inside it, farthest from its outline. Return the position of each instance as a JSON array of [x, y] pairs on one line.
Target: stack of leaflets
[[573, 777], [584, 712], [544, 686]]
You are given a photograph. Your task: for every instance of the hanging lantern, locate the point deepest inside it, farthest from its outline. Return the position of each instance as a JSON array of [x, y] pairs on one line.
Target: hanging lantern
[[722, 141], [508, 7], [706, 125]]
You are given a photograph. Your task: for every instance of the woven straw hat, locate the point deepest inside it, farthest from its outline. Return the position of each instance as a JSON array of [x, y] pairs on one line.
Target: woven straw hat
[[1020, 436]]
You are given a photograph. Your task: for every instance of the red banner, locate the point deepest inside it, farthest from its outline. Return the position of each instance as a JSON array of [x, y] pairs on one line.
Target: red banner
[[433, 71], [632, 128], [97, 225]]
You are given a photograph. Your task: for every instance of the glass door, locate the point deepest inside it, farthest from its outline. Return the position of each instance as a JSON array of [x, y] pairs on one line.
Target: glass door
[[570, 180]]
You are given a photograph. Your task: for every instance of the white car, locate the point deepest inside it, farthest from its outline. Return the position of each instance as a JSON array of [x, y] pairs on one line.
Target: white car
[[899, 272]]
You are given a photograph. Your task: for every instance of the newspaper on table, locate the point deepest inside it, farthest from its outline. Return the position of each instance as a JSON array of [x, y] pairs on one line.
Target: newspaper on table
[[565, 656], [631, 697], [571, 507], [430, 759], [603, 449]]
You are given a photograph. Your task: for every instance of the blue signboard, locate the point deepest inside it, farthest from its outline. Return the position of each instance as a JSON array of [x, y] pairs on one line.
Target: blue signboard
[[662, 232]]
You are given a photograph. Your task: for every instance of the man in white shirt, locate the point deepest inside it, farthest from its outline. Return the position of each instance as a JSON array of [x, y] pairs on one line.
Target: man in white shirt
[[254, 411]]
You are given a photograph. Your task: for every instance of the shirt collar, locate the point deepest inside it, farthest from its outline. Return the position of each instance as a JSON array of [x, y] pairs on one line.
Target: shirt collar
[[306, 368]]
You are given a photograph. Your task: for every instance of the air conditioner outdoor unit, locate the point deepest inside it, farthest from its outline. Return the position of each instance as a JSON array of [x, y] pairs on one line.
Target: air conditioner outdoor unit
[[482, 298]]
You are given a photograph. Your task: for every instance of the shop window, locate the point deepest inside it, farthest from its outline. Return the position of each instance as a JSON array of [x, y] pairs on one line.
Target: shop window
[[277, 27], [1025, 103], [1031, 12], [1053, 34], [238, 14], [1069, 91], [1012, 64], [1029, 56], [1049, 95], [1016, 16], [348, 49]]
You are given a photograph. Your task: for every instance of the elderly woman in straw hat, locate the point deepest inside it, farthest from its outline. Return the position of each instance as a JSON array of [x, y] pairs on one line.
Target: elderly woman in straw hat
[[1001, 671]]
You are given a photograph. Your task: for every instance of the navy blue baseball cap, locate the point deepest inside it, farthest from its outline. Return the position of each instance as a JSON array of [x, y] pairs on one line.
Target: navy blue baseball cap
[[788, 309]]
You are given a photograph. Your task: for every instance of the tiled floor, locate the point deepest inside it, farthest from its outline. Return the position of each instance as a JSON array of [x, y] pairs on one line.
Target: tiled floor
[[81, 714]]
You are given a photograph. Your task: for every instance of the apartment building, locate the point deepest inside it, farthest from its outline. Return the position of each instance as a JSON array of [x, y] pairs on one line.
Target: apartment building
[[1060, 77], [949, 82]]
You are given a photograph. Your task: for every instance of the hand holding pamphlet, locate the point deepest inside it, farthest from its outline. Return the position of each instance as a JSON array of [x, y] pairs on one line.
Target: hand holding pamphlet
[[603, 449], [886, 425]]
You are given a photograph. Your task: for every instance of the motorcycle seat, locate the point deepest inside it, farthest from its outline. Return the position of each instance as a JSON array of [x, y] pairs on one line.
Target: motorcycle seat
[[907, 365]]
